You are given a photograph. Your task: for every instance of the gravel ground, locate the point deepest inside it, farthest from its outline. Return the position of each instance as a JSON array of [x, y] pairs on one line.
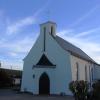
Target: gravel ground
[[12, 95]]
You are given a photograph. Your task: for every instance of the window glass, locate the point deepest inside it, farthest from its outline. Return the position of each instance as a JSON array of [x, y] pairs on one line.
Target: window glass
[[77, 71], [86, 73]]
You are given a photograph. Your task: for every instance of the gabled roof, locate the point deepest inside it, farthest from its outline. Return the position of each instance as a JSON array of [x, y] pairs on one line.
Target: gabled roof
[[73, 49]]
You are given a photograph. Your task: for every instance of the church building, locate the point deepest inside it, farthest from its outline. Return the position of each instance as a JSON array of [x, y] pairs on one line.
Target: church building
[[52, 63]]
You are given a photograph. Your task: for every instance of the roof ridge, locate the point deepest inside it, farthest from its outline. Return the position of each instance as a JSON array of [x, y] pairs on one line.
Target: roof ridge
[[72, 48]]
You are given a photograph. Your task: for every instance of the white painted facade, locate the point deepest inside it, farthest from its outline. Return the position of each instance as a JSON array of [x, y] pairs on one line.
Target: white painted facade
[[81, 70], [62, 74]]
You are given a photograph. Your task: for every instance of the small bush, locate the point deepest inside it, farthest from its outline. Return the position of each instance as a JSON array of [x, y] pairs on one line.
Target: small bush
[[5, 79], [79, 89], [96, 91]]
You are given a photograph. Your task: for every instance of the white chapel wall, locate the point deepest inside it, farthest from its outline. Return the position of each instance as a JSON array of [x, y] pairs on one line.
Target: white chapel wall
[[81, 63], [59, 77]]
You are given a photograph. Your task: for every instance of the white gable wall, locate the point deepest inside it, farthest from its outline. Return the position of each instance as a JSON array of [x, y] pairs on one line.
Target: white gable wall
[[63, 68], [59, 77], [29, 61]]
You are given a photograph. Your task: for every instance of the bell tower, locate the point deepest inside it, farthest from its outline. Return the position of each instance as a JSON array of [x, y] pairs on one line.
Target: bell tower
[[49, 28]]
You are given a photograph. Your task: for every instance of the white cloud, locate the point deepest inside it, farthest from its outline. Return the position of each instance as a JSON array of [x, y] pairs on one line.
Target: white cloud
[[18, 46], [13, 54], [85, 33], [17, 26], [12, 65], [66, 32], [16, 51], [92, 48]]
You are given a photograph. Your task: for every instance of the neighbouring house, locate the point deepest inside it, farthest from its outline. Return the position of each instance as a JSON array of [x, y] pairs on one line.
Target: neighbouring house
[[9, 77], [53, 63]]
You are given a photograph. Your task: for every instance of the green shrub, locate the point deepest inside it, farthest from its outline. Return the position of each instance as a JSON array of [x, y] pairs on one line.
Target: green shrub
[[96, 90], [79, 89], [5, 79]]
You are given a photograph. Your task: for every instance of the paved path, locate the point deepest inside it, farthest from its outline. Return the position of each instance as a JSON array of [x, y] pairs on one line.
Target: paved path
[[11, 95]]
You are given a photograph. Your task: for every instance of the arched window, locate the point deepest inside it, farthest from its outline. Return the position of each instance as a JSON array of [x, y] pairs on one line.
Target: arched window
[[77, 71], [90, 76], [92, 73], [85, 72]]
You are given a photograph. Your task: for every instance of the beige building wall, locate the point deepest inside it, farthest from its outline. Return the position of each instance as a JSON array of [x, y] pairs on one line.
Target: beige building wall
[[81, 69]]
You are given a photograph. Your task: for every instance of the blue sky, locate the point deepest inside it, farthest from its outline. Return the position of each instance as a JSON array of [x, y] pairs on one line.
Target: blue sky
[[78, 21]]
